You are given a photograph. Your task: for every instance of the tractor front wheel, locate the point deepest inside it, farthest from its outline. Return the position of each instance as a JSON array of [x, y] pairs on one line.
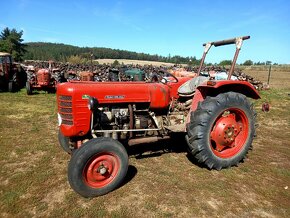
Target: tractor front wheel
[[221, 130], [64, 142], [11, 86], [28, 88], [98, 167]]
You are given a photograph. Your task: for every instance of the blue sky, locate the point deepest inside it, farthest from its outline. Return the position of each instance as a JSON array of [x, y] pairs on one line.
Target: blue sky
[[157, 27]]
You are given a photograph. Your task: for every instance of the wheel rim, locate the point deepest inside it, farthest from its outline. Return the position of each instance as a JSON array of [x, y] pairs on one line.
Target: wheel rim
[[229, 133], [101, 169]]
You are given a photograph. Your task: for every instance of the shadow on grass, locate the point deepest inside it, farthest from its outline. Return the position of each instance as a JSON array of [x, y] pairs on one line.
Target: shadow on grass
[[176, 144], [41, 92], [131, 173]]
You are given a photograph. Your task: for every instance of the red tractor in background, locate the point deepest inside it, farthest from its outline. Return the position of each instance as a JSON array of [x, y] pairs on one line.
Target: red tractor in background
[[79, 76], [43, 79], [86, 76], [12, 75], [216, 117]]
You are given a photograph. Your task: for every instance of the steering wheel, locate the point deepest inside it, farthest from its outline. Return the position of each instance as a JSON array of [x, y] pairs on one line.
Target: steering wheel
[[169, 78]]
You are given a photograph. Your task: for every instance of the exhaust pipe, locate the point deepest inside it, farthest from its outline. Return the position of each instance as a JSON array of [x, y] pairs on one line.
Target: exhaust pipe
[[147, 140]]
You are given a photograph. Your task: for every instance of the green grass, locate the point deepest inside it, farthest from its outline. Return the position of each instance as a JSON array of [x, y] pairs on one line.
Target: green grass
[[33, 179]]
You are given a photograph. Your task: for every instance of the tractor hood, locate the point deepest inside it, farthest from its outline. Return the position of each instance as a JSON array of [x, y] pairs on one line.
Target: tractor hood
[[157, 95]]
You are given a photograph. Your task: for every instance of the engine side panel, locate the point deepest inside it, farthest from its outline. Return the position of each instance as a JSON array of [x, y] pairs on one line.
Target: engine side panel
[[73, 100]]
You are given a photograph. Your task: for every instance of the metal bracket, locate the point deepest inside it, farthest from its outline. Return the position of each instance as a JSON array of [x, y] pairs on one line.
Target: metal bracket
[[154, 119]]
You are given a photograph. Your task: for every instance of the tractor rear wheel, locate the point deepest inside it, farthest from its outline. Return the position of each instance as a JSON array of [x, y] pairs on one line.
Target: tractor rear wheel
[[98, 167], [221, 130]]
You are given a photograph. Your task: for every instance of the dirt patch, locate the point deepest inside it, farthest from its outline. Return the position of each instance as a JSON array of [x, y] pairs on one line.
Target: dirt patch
[[55, 198], [214, 203], [25, 163]]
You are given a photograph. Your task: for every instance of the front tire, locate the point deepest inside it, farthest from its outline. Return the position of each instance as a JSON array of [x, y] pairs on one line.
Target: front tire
[[64, 142], [11, 86], [28, 88], [98, 167], [221, 130]]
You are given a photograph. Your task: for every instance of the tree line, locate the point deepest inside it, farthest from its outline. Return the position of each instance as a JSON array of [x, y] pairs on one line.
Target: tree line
[[62, 52]]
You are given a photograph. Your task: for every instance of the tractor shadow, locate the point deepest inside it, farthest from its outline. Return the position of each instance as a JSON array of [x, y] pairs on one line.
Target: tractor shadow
[[40, 93], [176, 144], [131, 173]]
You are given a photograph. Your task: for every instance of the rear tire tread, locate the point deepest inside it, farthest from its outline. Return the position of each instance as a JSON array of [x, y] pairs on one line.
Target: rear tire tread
[[199, 127]]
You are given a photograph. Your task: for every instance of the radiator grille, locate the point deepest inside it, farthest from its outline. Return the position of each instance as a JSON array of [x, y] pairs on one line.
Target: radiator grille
[[67, 122], [65, 109], [66, 104], [67, 116], [65, 97], [84, 78]]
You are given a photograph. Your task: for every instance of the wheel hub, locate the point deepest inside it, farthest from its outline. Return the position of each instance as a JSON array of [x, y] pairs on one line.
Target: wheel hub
[[102, 170], [225, 131]]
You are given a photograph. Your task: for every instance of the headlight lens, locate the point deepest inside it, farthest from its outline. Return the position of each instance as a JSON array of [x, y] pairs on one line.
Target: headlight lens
[[93, 103], [59, 119]]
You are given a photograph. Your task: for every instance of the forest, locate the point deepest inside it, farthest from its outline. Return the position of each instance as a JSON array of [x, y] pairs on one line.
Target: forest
[[63, 53]]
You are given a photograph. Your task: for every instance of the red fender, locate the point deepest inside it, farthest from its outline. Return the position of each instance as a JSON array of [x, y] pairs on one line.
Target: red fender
[[213, 88]]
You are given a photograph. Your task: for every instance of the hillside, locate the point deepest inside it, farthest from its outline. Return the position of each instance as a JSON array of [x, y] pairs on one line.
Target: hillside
[[61, 52]]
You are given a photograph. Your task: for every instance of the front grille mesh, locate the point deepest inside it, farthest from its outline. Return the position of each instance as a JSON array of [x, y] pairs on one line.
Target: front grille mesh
[[67, 122], [66, 104], [67, 116], [65, 97], [65, 109]]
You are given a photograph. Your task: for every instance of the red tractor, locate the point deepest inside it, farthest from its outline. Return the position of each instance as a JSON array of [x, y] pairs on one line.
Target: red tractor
[[86, 76], [43, 79], [12, 76], [216, 117]]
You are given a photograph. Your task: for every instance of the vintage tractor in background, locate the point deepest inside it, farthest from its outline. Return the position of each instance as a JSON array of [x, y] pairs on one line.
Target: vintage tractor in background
[[114, 75], [71, 75], [12, 75], [86, 76], [43, 79], [96, 120], [135, 74]]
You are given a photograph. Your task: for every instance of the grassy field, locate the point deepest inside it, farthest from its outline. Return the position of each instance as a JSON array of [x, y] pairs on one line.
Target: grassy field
[[163, 182]]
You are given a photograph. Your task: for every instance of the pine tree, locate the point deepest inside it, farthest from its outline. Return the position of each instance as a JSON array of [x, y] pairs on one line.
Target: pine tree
[[11, 42]]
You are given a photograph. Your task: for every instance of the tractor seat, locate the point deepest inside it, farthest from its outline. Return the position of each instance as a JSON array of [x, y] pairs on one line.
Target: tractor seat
[[187, 89]]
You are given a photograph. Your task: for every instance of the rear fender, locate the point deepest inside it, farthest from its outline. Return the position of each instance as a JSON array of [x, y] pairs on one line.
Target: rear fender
[[214, 88]]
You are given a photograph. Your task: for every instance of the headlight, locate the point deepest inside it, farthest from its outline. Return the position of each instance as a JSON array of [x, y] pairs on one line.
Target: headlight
[[59, 119], [93, 103]]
